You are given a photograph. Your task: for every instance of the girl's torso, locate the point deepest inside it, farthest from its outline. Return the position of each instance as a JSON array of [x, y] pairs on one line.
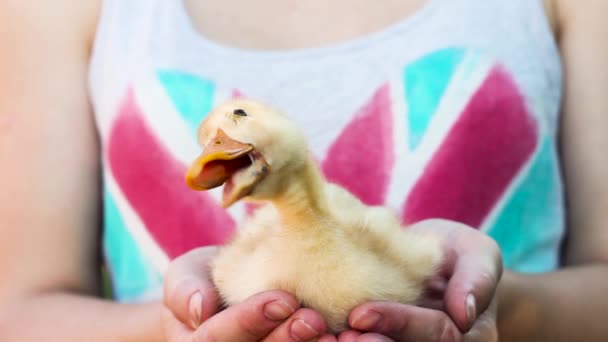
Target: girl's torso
[[436, 109]]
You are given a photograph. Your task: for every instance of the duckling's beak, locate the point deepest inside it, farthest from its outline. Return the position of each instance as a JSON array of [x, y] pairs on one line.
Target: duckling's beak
[[225, 160], [204, 174]]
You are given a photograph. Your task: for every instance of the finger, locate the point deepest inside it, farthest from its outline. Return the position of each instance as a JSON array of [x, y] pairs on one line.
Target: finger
[[303, 325], [431, 303], [475, 276], [436, 285], [189, 292], [473, 264], [484, 329], [250, 320], [404, 322], [372, 337], [327, 338], [355, 336], [174, 330], [349, 336]]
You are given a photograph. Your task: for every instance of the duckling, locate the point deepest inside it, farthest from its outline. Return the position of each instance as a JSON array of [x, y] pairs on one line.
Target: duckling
[[309, 237]]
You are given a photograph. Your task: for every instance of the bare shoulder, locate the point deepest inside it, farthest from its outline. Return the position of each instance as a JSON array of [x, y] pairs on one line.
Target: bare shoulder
[[565, 13], [584, 48], [74, 19], [48, 147]]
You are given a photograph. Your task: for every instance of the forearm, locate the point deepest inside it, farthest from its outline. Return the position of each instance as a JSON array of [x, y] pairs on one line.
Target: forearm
[[568, 305], [66, 317]]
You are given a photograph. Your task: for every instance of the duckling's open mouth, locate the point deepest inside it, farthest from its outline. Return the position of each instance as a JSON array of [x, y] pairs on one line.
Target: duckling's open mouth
[[227, 162]]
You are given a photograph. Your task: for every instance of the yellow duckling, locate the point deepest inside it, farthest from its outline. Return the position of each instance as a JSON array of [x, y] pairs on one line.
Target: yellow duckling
[[314, 239]]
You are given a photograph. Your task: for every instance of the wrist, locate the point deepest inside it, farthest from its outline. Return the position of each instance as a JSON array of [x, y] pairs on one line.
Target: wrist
[[149, 323], [518, 315]]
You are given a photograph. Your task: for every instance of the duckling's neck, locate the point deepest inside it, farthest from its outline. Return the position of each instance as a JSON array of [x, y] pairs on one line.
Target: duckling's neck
[[303, 196]]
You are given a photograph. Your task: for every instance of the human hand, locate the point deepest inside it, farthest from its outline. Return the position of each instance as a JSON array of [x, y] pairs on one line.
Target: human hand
[[191, 311], [411, 323], [455, 305]]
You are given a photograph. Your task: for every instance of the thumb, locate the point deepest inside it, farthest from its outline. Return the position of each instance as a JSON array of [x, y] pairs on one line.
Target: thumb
[[477, 271], [189, 292]]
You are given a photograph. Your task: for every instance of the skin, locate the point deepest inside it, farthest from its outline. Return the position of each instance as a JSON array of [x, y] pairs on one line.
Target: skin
[[51, 225], [473, 266]]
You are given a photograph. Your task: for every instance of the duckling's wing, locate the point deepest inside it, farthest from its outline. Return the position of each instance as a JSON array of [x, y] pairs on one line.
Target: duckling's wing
[[378, 229]]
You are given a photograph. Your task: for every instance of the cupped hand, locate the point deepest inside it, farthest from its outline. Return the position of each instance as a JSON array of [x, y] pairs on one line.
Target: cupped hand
[[459, 304], [192, 311], [400, 322]]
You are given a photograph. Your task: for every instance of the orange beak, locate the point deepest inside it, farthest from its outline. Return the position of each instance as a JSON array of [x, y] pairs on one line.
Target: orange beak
[[225, 161], [218, 161]]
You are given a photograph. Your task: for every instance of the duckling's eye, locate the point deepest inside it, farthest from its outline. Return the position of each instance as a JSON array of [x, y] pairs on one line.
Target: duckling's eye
[[239, 112]]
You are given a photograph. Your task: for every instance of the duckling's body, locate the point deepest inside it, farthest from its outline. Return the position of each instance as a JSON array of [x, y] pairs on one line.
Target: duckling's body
[[333, 253], [319, 242]]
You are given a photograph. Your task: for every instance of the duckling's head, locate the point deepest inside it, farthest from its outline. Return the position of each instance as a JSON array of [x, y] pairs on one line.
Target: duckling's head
[[248, 147]]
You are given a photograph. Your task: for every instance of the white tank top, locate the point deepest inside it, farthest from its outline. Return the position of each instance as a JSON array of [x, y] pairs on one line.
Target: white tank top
[[450, 113]]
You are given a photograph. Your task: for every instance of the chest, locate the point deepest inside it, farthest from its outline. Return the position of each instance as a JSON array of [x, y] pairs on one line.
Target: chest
[[277, 24], [400, 118]]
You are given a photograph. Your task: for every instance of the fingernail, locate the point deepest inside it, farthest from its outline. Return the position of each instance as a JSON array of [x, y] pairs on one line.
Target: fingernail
[[196, 308], [302, 331], [470, 306], [368, 320], [278, 310]]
